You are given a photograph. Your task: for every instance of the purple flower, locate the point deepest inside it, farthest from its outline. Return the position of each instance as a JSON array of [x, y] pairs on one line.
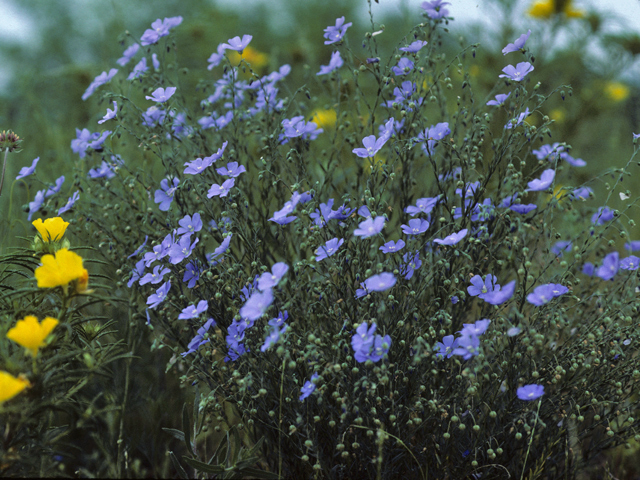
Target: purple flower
[[522, 209], [480, 288], [215, 58], [221, 248], [101, 79], [609, 267], [138, 69], [155, 62], [477, 328], [38, 200], [190, 224], [588, 269], [392, 247], [435, 9], [468, 346], [128, 54], [371, 146], [199, 340], [414, 47], [576, 162], [380, 282], [545, 180], [280, 319], [518, 44], [335, 63], [238, 44], [269, 280], [136, 273], [56, 188], [518, 72], [499, 296], [159, 28], [364, 337], [272, 338], [499, 99], [221, 190], [453, 238], [161, 95], [191, 274], [423, 205], [104, 171], [257, 305], [26, 171], [632, 246], [70, 203], [231, 170], [543, 294], [630, 263], [515, 122], [432, 135], [297, 127], [581, 193], [182, 249], [328, 249], [416, 226], [110, 113], [403, 68], [562, 246], [157, 298], [164, 195], [412, 263], [84, 139], [446, 347], [153, 116], [191, 312], [335, 33], [308, 388], [602, 216], [530, 392], [369, 227], [156, 277]]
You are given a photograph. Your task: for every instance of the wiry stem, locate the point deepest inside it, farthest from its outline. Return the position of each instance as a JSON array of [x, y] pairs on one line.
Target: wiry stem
[[4, 166]]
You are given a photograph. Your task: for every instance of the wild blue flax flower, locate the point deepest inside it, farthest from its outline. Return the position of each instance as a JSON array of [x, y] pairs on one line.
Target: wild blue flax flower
[[518, 44], [334, 34], [26, 171], [392, 247], [111, 114], [329, 248], [369, 227], [56, 188], [416, 226], [157, 298], [435, 9], [101, 79], [404, 67], [630, 263], [453, 238], [70, 203], [446, 347], [159, 29], [498, 297], [189, 224], [335, 63], [309, 387], [139, 69], [412, 262], [193, 311], [164, 195], [480, 288], [602, 216], [238, 44], [542, 183], [518, 72], [257, 305], [161, 95], [523, 209], [423, 205], [499, 99], [154, 277], [231, 170], [414, 47], [271, 279], [530, 392], [128, 54], [381, 282], [543, 294], [221, 190], [609, 267], [273, 337], [182, 249], [199, 340]]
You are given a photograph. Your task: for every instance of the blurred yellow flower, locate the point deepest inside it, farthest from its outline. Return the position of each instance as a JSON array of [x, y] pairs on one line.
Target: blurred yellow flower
[[59, 269], [547, 8], [324, 118], [256, 59], [11, 386], [557, 114], [616, 91], [51, 229], [30, 333], [560, 194]]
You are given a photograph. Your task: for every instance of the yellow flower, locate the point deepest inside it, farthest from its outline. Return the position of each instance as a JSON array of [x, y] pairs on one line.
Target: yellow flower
[[548, 8], [557, 114], [11, 386], [324, 118], [51, 229], [616, 91], [256, 59], [560, 194], [59, 269], [30, 333]]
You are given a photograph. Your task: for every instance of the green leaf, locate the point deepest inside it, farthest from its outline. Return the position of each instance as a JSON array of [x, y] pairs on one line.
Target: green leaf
[[251, 472], [177, 466], [176, 433], [203, 467], [186, 428]]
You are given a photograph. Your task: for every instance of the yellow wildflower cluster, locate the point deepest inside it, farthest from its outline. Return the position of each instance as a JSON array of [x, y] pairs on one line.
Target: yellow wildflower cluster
[[548, 8], [30, 334], [60, 269]]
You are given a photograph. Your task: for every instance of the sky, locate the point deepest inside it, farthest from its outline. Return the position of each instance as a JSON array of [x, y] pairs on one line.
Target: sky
[[17, 27]]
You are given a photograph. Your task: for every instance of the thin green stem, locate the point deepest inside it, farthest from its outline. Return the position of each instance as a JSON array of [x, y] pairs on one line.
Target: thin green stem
[[4, 167], [533, 431]]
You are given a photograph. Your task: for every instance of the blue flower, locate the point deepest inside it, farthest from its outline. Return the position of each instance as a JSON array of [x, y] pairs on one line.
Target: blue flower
[[369, 227], [138, 69], [630, 263], [309, 387], [403, 68], [70, 203], [544, 182], [499, 99], [110, 113], [602, 216], [609, 267], [159, 28], [26, 171], [498, 297], [412, 263], [518, 72], [468, 346], [157, 298], [413, 47], [392, 247], [371, 146], [335, 63], [480, 288], [161, 95], [416, 226], [101, 79], [522, 209], [446, 347], [231, 170], [329, 248], [164, 196], [273, 337], [199, 340], [453, 238], [155, 277], [423, 205], [190, 224], [530, 392], [238, 44], [335, 33], [257, 305], [518, 44], [192, 311], [128, 54], [380, 282], [543, 294], [435, 9], [271, 279], [182, 249], [221, 190]]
